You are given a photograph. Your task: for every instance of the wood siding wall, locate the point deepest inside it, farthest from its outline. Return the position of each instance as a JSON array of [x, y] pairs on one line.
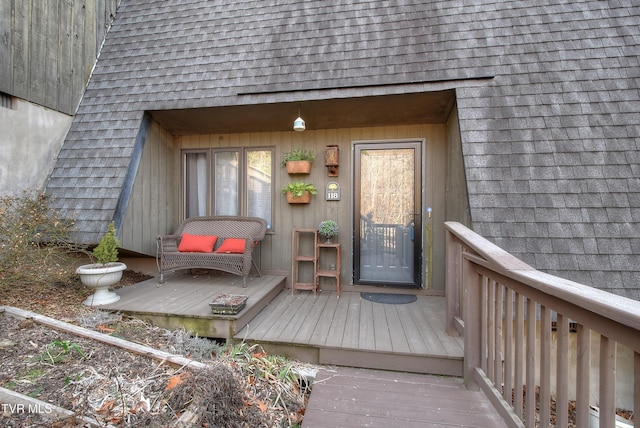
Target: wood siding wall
[[275, 250], [150, 211], [457, 204], [48, 48]]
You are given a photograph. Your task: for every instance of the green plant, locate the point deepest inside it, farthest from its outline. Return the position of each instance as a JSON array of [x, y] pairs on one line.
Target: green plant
[[58, 349], [328, 228], [297, 155], [107, 249], [298, 188]]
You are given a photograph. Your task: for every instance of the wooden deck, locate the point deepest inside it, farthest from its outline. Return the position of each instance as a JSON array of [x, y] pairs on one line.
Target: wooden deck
[[347, 397], [346, 331], [183, 301], [351, 331], [379, 362]]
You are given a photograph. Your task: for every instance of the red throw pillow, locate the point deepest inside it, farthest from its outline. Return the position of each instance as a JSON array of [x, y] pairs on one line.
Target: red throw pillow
[[196, 243], [232, 245]]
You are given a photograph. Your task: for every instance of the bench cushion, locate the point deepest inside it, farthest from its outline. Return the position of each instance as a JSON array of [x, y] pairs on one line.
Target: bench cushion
[[197, 243], [232, 245]]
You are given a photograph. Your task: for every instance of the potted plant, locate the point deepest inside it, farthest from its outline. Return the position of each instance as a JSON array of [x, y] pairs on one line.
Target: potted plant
[[328, 229], [299, 192], [298, 161], [105, 272]]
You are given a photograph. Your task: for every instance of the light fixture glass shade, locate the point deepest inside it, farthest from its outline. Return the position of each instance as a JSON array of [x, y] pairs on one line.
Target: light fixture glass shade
[[298, 124]]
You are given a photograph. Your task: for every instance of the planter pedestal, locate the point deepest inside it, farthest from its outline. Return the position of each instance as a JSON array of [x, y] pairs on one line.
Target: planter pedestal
[[100, 278]]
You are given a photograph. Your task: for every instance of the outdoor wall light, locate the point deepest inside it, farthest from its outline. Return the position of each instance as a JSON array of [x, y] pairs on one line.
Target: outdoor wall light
[[298, 124]]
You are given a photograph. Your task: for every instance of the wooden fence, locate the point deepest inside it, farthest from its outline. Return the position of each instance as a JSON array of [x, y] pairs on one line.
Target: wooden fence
[[503, 306]]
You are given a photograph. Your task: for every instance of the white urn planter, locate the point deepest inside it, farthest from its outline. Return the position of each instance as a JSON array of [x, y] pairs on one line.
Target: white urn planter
[[100, 278]]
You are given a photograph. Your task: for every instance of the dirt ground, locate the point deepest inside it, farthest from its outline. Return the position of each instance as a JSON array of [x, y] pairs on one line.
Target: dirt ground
[[107, 386]]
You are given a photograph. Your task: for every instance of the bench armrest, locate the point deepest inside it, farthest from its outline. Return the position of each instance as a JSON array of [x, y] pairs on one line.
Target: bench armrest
[[167, 243]]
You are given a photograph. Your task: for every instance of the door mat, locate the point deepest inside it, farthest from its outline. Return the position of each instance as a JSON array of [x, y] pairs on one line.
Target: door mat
[[390, 299]]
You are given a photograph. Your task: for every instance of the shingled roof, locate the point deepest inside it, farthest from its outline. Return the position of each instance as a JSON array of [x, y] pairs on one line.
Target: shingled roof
[[547, 95]]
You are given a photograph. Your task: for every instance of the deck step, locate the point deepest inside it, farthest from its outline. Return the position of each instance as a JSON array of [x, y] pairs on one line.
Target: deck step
[[182, 301], [354, 332]]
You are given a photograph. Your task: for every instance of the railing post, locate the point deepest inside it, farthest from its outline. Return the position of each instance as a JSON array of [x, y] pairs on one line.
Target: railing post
[[453, 282], [530, 362], [562, 371], [607, 382], [583, 373], [636, 382], [472, 304]]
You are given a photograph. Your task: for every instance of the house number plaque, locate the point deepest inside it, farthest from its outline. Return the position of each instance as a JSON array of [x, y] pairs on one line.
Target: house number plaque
[[332, 191]]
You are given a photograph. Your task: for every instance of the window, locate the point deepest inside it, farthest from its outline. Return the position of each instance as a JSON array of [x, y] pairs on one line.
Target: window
[[6, 100], [228, 182]]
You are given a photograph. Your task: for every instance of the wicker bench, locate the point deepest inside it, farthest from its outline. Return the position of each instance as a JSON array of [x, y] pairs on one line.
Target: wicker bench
[[251, 229]]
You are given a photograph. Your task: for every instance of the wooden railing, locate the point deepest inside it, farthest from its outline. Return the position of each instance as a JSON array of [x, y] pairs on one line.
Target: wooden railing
[[502, 307]]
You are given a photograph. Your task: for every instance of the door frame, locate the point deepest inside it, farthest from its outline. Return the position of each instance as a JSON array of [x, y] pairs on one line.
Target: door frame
[[420, 255]]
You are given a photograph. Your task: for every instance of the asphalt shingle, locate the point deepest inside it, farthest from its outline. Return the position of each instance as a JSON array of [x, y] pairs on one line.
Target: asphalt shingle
[[551, 143]]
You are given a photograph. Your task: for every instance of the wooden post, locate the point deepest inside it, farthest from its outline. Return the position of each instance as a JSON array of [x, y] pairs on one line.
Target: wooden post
[[607, 382], [519, 357], [508, 347], [636, 383], [583, 384], [545, 366], [530, 398], [453, 282], [471, 289], [562, 371]]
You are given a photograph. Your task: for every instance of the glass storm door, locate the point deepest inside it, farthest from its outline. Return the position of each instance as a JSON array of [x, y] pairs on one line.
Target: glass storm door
[[388, 225]]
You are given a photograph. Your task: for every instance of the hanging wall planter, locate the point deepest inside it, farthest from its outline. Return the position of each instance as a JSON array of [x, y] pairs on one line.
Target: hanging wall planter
[[299, 167], [305, 198], [298, 161], [299, 192]]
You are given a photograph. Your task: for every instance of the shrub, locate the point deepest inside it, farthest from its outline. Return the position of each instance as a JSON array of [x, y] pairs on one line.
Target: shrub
[[297, 155], [328, 228], [107, 250], [35, 245]]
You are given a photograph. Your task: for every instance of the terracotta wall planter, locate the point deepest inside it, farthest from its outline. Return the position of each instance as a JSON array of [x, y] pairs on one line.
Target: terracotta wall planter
[[299, 167], [304, 199]]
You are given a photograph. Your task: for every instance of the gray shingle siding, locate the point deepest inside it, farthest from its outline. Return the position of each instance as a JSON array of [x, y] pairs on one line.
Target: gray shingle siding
[[551, 144], [579, 79]]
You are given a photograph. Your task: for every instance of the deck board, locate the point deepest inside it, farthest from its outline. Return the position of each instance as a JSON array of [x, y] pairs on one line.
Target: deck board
[[322, 321], [351, 332], [335, 336], [356, 397], [367, 339], [305, 329], [428, 333], [381, 329], [399, 342]]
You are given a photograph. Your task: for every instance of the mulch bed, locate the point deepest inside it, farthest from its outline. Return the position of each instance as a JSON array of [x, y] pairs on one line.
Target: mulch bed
[[115, 387]]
